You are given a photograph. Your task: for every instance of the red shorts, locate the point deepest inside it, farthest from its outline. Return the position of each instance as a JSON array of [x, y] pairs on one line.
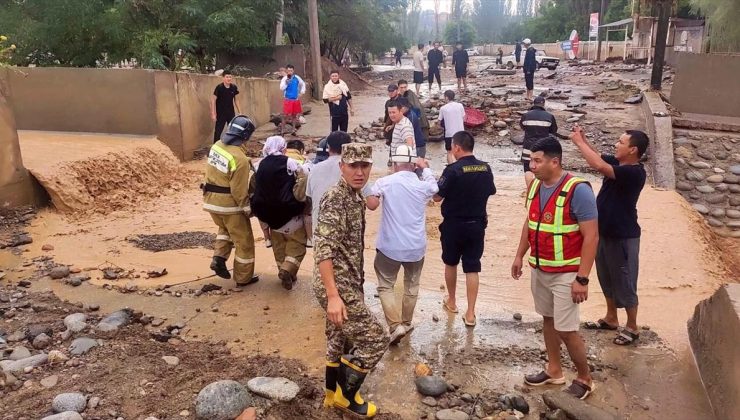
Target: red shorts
[[292, 107]]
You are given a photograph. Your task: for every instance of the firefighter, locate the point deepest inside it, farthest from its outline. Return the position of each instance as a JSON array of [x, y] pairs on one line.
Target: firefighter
[[226, 196]]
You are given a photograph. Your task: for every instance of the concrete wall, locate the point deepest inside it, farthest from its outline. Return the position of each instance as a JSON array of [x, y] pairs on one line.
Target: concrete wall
[[714, 333], [704, 84], [660, 131], [260, 61], [16, 186], [614, 49], [173, 106]]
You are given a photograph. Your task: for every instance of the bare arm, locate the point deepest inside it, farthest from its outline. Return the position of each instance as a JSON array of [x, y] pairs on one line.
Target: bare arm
[[516, 267], [236, 106], [590, 232], [437, 198], [372, 202], [213, 107], [592, 157]]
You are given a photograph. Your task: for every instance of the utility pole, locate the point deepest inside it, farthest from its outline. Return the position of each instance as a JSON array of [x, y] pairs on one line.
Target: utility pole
[[601, 22], [656, 79], [313, 27], [279, 25]]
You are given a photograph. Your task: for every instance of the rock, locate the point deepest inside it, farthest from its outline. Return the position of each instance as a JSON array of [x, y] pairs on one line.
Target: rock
[[680, 140], [717, 212], [432, 386], [75, 322], [49, 381], [517, 316], [93, 402], [698, 164], [735, 201], [733, 214], [575, 118], [70, 401], [514, 402], [732, 179], [714, 222], [67, 415], [518, 139], [57, 356], [575, 408], [694, 176], [59, 272], [222, 400], [500, 124], [735, 169], [18, 335], [684, 186], [683, 152], [716, 179], [721, 187], [20, 365], [700, 208], [171, 360], [633, 99], [19, 353], [556, 415], [705, 154], [503, 133], [75, 281], [280, 389], [82, 345], [451, 414], [735, 188], [716, 198], [429, 401], [41, 341], [111, 323], [706, 189]]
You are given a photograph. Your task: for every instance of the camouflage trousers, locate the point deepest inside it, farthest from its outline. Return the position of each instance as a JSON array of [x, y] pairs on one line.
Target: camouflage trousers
[[361, 330]]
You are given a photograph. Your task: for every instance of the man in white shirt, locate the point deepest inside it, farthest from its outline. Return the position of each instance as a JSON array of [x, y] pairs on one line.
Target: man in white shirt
[[419, 67], [402, 238], [452, 117], [325, 174]]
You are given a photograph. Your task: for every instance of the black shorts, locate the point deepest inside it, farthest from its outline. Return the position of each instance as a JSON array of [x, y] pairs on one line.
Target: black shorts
[[419, 77], [463, 240], [617, 265], [461, 71], [448, 143], [434, 72], [529, 80]]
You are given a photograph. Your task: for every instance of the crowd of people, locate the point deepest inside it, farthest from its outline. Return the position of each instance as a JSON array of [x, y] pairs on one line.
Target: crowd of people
[[322, 203]]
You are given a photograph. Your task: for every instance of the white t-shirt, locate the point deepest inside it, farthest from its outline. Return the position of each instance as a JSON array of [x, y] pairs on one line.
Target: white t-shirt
[[323, 176], [419, 61], [402, 235], [453, 114]]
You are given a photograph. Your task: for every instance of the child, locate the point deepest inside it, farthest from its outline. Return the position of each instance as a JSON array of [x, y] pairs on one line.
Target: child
[[295, 150]]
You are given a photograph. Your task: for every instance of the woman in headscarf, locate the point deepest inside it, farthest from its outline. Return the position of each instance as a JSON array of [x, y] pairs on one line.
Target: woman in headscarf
[[279, 201]]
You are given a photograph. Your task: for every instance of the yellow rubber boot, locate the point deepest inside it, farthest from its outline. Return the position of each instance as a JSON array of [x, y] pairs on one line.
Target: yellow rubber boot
[[347, 395], [332, 374]]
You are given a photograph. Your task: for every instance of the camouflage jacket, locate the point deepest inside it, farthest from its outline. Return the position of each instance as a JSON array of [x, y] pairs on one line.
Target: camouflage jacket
[[340, 233]]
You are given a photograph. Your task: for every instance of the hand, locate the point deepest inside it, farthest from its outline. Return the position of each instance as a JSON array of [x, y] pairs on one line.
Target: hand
[[578, 134], [336, 312], [213, 116], [516, 268], [352, 112], [578, 292], [388, 128], [422, 163]]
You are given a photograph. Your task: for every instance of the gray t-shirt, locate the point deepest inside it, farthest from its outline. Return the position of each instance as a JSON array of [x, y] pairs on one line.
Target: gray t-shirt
[[582, 205]]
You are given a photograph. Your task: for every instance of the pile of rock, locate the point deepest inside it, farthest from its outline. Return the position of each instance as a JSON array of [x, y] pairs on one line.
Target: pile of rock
[[708, 176]]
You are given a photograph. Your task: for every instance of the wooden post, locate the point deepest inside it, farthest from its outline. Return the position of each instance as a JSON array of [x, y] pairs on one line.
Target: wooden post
[[313, 27], [598, 36]]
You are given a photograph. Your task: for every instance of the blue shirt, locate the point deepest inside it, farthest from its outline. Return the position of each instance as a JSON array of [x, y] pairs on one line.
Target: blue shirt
[[418, 133], [582, 205]]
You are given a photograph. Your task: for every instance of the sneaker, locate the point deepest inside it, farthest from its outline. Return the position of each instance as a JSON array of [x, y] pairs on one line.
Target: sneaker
[[397, 334]]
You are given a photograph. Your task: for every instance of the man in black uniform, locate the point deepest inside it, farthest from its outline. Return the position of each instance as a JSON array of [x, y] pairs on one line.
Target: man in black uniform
[[465, 187], [537, 124], [434, 59], [530, 66], [223, 103]]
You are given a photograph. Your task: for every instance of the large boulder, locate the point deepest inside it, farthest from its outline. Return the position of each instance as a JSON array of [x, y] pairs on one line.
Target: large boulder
[[69, 401], [280, 389]]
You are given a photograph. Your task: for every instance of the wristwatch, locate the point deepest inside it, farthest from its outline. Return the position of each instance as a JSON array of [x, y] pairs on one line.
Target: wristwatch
[[582, 280]]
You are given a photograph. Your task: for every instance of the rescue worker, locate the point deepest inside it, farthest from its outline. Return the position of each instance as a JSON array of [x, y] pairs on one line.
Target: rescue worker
[[279, 200], [338, 252], [228, 182], [537, 124]]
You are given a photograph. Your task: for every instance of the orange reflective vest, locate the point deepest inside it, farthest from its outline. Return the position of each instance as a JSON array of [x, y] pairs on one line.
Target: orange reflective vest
[[555, 239]]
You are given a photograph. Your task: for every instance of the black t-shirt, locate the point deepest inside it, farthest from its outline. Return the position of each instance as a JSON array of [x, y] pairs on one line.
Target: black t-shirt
[[465, 186], [617, 200], [435, 58], [225, 99]]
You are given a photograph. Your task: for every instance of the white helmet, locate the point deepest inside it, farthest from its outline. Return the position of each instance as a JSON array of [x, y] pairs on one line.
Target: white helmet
[[527, 41], [403, 154]]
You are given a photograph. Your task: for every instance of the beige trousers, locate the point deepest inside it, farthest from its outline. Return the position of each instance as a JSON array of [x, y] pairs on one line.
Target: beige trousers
[[235, 231], [386, 270]]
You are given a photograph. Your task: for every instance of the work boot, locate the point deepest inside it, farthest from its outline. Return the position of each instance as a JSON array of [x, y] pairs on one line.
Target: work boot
[[347, 396], [286, 278], [218, 265], [253, 280], [332, 374]]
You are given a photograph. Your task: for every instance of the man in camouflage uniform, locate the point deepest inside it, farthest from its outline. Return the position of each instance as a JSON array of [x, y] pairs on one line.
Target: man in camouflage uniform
[[228, 183], [338, 251]]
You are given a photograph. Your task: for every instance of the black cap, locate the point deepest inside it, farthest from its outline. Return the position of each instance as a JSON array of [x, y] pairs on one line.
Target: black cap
[[392, 87], [539, 100]]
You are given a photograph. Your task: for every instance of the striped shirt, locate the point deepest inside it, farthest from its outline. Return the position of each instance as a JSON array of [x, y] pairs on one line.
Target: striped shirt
[[402, 131]]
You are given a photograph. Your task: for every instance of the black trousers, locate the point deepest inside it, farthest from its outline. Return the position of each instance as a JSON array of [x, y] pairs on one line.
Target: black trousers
[[434, 72], [221, 122], [339, 122]]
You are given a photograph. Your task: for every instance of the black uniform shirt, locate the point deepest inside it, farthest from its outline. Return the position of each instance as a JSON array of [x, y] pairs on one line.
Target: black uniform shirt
[[465, 186], [225, 99]]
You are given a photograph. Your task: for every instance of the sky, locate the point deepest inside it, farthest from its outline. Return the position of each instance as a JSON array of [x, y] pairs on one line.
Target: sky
[[444, 5]]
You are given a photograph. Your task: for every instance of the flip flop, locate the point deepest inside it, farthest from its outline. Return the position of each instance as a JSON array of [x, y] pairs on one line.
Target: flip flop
[[599, 325], [470, 324], [448, 308]]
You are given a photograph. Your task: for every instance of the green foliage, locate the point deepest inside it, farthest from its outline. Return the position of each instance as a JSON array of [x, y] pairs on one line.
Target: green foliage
[[489, 18], [6, 50], [723, 17], [466, 31]]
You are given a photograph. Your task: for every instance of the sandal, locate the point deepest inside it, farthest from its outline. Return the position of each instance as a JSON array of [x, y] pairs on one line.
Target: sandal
[[580, 390], [626, 337], [448, 308], [543, 378], [599, 325], [468, 323]]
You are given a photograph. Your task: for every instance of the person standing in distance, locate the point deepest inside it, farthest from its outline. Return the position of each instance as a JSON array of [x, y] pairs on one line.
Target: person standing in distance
[[339, 247], [419, 67], [537, 124], [618, 255], [223, 103], [518, 52], [339, 98], [228, 183], [293, 87], [464, 188], [562, 234], [434, 59], [398, 56], [452, 118], [460, 60], [530, 66]]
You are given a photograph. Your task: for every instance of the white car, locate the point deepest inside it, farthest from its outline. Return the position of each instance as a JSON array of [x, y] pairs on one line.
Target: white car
[[543, 60], [472, 51]]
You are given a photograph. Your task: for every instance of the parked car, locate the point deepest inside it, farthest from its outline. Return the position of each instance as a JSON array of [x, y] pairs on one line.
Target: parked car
[[472, 51], [543, 60]]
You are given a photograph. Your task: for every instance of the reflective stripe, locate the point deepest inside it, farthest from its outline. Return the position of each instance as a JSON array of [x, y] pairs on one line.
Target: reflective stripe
[[244, 260], [291, 260], [560, 263], [536, 123], [220, 209], [221, 151], [551, 228], [223, 238], [354, 366], [237, 126]]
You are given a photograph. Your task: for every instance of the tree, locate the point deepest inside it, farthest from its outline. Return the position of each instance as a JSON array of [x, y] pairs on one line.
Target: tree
[[489, 18], [467, 33], [723, 17]]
